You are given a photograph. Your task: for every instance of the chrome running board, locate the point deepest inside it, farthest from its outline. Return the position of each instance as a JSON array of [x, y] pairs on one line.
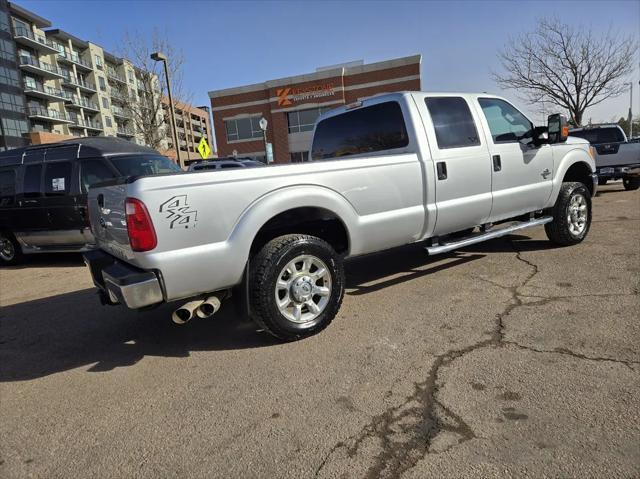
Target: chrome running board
[[480, 237]]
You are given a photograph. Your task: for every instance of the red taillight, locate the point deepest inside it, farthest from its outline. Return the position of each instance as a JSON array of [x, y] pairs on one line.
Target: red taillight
[[142, 236]]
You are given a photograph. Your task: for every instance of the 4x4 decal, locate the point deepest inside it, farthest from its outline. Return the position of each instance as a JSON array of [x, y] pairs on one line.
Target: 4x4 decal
[[179, 212]]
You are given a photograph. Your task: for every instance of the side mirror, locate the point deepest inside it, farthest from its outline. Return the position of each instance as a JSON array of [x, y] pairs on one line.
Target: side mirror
[[558, 128]]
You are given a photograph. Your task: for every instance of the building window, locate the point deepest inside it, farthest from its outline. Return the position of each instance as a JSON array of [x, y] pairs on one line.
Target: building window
[[7, 50], [304, 120], [243, 129], [9, 76], [11, 102], [299, 156], [370, 129], [103, 84], [105, 102], [4, 22], [14, 127], [98, 62], [130, 75], [107, 120], [452, 122]]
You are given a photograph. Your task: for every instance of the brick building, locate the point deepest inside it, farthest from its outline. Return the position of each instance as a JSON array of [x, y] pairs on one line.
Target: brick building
[[291, 105]]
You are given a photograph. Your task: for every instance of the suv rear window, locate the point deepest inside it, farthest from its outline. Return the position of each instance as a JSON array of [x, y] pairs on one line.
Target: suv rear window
[[7, 187], [373, 128], [600, 135], [142, 165]]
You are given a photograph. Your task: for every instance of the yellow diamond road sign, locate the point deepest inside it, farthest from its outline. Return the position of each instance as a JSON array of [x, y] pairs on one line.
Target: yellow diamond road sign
[[203, 149]]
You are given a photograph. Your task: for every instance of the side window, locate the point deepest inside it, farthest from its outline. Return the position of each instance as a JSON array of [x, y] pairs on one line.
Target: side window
[[92, 172], [506, 123], [370, 129], [7, 187], [57, 178], [32, 177], [453, 122]]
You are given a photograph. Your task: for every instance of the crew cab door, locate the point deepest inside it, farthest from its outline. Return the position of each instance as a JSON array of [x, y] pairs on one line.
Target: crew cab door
[[461, 160], [521, 173]]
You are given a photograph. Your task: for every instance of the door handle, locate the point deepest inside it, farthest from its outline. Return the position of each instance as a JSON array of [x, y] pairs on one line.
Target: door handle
[[497, 163], [441, 168]]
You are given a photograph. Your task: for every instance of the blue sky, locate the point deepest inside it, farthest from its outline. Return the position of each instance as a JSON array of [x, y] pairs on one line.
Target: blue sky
[[234, 43]]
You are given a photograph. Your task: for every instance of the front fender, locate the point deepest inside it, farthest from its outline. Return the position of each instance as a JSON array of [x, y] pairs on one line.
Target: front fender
[[566, 161]]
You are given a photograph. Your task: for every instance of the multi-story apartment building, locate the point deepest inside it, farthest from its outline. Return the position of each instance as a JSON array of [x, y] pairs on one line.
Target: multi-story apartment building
[[54, 85], [192, 124]]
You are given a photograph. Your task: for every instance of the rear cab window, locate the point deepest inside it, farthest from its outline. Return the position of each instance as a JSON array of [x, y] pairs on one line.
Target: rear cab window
[[93, 172], [370, 129], [453, 122], [597, 136]]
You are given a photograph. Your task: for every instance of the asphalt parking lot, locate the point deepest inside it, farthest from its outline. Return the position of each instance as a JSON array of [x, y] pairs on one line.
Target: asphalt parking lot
[[508, 359]]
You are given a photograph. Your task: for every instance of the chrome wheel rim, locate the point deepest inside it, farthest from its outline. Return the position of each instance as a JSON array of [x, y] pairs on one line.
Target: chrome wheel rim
[[577, 214], [7, 250], [303, 289]]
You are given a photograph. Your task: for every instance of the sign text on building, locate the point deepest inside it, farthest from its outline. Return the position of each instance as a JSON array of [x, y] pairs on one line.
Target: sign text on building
[[287, 96]]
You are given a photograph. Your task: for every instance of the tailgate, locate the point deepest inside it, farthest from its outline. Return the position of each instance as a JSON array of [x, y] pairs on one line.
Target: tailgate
[[108, 220]]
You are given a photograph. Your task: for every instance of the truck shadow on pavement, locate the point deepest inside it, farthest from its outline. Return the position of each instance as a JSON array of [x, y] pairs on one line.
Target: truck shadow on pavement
[[48, 260], [68, 331]]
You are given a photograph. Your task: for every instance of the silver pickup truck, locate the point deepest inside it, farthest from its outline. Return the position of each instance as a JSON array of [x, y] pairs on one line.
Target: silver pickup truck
[[445, 169], [616, 158]]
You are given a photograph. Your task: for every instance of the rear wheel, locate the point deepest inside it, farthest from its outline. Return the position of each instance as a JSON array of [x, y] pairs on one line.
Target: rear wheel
[[10, 252], [571, 215], [296, 286], [631, 184]]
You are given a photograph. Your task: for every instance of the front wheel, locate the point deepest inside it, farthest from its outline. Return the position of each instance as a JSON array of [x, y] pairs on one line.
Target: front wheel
[[296, 286], [571, 215], [10, 252], [631, 184]]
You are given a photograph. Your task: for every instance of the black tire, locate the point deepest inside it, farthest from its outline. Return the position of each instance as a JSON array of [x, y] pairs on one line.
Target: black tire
[[267, 267], [631, 184], [561, 230], [10, 251], [602, 181]]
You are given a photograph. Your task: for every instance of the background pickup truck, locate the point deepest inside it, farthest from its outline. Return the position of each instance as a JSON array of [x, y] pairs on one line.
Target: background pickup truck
[[616, 158], [387, 171]]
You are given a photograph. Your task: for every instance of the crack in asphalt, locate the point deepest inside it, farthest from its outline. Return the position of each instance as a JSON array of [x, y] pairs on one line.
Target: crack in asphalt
[[406, 432]]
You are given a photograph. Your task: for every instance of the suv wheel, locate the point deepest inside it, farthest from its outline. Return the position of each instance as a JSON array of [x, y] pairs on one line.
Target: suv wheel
[[10, 252], [571, 215], [296, 286], [631, 184]]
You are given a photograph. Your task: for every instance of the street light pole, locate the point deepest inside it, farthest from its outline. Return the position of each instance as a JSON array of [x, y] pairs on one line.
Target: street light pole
[[630, 110], [159, 56]]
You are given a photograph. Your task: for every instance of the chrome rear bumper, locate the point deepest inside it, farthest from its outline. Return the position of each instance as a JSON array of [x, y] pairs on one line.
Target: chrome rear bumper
[[123, 283]]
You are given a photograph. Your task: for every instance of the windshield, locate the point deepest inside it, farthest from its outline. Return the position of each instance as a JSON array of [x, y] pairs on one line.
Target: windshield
[[142, 165]]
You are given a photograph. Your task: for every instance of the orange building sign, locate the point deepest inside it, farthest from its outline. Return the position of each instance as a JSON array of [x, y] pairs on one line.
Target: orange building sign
[[287, 96]]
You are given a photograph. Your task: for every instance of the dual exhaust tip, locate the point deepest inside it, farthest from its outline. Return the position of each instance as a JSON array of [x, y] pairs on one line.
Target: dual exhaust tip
[[202, 308]]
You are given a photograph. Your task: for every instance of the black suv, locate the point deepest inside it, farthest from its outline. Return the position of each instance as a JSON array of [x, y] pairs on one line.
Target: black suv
[[43, 191]]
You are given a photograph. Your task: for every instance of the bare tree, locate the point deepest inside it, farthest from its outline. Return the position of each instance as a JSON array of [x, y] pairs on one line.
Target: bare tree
[[145, 107], [571, 68]]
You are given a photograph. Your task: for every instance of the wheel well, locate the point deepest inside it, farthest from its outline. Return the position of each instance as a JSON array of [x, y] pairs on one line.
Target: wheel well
[[581, 173], [305, 220]]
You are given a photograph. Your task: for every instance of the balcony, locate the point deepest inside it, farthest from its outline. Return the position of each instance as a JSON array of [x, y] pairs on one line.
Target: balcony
[[26, 37], [118, 96], [75, 59], [113, 75], [125, 132], [77, 82], [119, 112], [41, 113], [46, 92], [85, 123], [37, 67], [79, 102]]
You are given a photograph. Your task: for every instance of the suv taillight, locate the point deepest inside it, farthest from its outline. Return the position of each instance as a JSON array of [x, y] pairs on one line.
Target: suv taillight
[[142, 235]]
